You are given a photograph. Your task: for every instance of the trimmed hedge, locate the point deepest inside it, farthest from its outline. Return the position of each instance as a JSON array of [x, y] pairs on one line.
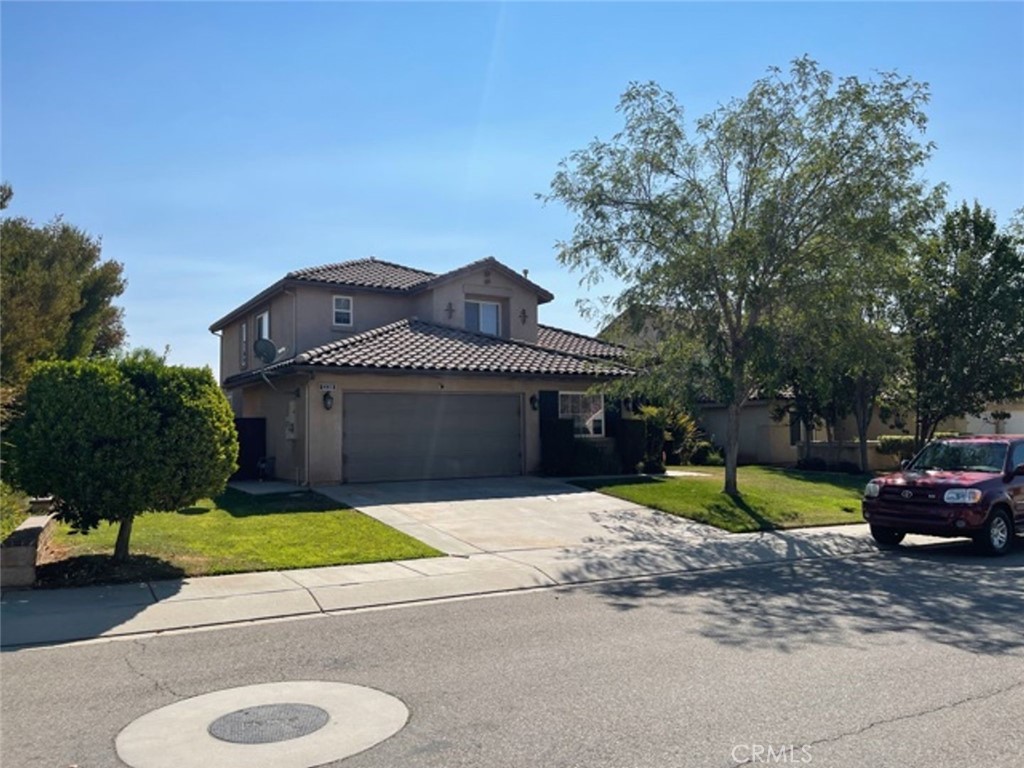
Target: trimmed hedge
[[896, 445]]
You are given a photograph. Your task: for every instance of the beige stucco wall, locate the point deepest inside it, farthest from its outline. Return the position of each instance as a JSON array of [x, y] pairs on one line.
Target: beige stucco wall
[[762, 439], [985, 425], [282, 331], [369, 310], [284, 408], [488, 285]]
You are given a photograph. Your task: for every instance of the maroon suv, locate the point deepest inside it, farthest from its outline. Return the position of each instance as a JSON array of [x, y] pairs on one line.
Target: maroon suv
[[964, 486]]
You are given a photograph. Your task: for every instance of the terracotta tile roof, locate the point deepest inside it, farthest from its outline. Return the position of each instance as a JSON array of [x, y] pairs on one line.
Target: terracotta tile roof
[[578, 344], [418, 346], [366, 273]]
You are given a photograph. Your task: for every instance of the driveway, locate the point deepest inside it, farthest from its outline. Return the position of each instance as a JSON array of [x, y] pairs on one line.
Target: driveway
[[570, 534], [507, 514]]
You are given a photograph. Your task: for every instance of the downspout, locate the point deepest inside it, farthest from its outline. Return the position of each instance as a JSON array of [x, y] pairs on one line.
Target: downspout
[[220, 353], [306, 461], [295, 352]]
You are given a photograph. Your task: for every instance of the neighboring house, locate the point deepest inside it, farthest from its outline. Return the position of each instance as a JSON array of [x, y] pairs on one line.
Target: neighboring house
[[367, 370], [764, 440]]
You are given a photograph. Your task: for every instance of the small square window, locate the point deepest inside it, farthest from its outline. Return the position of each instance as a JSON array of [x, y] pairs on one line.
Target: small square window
[[343, 311]]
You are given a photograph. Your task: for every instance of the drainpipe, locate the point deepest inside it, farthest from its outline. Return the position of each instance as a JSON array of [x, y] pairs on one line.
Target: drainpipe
[[309, 383]]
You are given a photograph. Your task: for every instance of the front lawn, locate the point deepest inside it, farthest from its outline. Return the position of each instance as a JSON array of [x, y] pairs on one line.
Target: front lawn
[[235, 533], [769, 497]]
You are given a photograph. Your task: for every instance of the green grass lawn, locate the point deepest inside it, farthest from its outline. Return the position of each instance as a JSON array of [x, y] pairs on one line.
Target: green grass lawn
[[769, 497], [235, 533], [13, 509]]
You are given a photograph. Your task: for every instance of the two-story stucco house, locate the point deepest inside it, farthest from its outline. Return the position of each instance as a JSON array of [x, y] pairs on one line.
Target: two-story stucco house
[[376, 371]]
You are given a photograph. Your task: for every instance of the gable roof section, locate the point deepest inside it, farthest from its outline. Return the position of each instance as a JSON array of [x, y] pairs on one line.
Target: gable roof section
[[492, 263], [413, 346], [365, 273], [578, 344]]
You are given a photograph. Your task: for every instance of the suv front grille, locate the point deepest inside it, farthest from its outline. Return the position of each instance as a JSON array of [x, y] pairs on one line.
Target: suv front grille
[[909, 495]]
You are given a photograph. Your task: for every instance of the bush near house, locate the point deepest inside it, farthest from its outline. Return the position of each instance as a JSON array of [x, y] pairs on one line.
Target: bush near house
[[896, 445], [903, 446], [706, 454], [111, 439]]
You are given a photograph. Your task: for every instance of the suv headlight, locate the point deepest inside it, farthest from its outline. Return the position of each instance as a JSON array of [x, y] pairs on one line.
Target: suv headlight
[[962, 496], [871, 490]]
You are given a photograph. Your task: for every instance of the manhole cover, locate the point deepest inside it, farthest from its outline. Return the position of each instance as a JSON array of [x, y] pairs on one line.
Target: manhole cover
[[269, 723], [262, 725]]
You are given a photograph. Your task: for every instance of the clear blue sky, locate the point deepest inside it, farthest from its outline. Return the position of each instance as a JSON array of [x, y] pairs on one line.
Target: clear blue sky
[[215, 147]]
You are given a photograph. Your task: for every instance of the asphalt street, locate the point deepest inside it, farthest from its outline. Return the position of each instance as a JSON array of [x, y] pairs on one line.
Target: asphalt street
[[912, 658]]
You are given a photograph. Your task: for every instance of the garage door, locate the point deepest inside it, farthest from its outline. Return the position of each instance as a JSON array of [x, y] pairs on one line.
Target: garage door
[[430, 436]]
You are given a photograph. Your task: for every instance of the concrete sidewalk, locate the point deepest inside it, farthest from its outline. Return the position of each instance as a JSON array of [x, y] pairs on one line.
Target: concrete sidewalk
[[55, 616]]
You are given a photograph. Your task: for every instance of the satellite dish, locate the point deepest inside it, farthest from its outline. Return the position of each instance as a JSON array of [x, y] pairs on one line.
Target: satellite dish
[[266, 350]]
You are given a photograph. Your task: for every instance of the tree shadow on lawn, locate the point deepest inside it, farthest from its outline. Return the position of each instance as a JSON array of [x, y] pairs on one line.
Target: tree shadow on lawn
[[91, 570], [737, 513], [946, 593], [240, 504], [731, 513], [843, 479]]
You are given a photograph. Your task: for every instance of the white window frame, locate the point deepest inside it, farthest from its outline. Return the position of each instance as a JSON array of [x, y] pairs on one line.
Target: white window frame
[[482, 303], [350, 310], [263, 325], [585, 430], [243, 347]]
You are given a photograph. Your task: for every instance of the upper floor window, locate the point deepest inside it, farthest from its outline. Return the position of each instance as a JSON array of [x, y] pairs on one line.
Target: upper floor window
[[263, 325], [586, 412], [343, 310], [243, 349], [483, 316]]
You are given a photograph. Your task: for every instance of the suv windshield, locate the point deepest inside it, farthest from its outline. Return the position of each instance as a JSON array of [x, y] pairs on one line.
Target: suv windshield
[[961, 457]]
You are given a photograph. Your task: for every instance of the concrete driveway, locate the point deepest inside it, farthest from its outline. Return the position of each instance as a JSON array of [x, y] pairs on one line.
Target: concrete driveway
[[570, 534]]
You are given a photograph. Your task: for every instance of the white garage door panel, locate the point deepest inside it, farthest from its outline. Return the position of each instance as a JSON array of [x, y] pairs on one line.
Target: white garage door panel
[[430, 436]]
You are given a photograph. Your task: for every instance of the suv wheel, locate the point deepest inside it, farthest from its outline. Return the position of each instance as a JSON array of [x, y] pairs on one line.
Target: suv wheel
[[996, 538], [887, 537]]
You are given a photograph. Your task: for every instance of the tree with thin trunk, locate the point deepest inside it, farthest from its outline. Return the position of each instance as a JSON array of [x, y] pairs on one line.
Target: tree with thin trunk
[[722, 233], [111, 439], [962, 313]]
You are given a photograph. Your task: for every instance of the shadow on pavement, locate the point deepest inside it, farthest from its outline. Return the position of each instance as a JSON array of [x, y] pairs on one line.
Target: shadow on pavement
[[475, 489], [944, 593]]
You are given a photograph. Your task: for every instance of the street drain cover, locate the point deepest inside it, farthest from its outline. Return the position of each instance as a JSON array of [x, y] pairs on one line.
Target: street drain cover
[[262, 725], [269, 723]]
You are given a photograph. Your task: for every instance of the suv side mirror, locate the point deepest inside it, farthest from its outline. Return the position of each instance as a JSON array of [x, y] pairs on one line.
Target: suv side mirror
[[905, 463], [1019, 469]]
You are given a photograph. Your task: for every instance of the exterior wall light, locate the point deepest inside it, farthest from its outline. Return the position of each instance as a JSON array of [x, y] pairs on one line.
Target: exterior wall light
[[328, 401], [534, 402], [522, 316], [449, 310]]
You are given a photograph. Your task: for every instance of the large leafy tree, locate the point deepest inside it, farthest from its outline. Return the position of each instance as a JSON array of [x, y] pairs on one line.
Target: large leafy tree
[[111, 439], [962, 313], [778, 195], [56, 293]]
